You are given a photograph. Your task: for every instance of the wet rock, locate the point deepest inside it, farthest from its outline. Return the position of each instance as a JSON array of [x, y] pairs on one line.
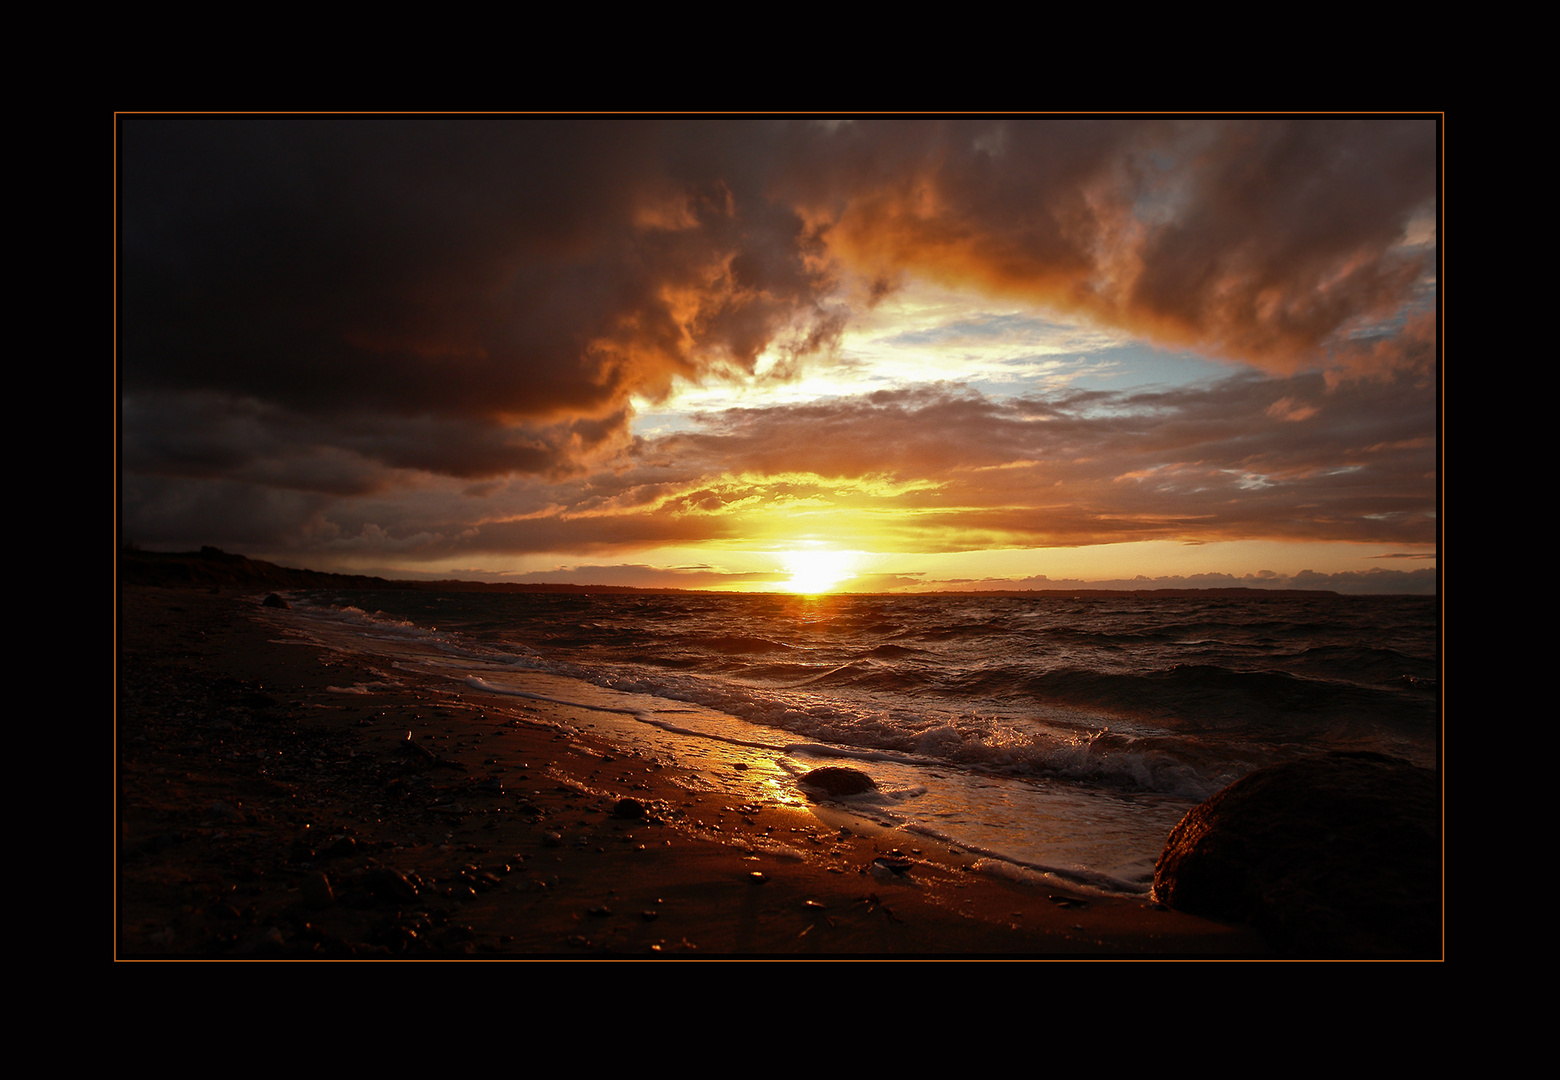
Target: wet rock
[[631, 809], [1337, 855], [837, 780]]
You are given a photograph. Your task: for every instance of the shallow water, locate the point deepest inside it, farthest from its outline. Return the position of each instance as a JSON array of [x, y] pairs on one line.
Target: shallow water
[[1063, 734]]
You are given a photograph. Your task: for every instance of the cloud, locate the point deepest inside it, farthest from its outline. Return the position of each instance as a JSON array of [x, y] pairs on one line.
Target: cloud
[[483, 296], [945, 468], [641, 575], [1265, 241], [515, 277], [421, 338]]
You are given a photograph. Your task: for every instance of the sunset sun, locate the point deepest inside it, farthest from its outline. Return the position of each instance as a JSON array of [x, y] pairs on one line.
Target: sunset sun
[[817, 571]]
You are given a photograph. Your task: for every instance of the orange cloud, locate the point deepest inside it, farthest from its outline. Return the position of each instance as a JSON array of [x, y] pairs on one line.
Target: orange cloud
[[1265, 241]]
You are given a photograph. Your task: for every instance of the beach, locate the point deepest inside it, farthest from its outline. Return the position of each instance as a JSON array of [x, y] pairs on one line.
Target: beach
[[280, 800]]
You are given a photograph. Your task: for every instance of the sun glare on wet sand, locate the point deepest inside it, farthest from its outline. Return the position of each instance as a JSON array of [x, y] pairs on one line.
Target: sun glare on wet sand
[[817, 571]]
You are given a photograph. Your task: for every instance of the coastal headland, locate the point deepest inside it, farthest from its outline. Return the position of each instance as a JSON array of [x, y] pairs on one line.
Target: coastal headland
[[277, 800]]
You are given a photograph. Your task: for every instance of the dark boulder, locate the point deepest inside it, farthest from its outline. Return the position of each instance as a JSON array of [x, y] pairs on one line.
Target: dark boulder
[[629, 809], [1337, 855], [837, 780]]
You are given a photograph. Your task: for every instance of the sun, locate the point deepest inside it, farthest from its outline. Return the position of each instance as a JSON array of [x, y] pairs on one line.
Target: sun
[[816, 571]]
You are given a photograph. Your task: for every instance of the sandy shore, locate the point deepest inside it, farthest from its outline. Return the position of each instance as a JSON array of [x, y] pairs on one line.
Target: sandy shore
[[263, 813]]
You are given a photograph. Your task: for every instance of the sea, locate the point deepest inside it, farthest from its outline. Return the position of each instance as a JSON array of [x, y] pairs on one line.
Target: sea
[[1047, 735]]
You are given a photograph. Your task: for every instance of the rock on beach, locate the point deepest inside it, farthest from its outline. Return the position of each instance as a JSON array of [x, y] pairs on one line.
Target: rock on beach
[[1337, 855], [837, 780]]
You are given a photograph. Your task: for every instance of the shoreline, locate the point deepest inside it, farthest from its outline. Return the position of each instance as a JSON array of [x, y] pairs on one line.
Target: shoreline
[[264, 813]]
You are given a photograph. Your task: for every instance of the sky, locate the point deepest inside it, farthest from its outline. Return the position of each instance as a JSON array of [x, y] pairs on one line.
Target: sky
[[739, 353]]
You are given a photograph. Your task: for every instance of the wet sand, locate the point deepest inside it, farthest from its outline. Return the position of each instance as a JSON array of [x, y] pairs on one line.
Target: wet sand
[[263, 813]]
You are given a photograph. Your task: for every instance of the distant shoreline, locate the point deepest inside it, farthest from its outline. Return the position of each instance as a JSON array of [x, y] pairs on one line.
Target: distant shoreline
[[213, 568]]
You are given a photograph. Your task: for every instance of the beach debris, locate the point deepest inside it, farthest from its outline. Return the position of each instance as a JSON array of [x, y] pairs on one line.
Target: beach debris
[[478, 879], [890, 866], [757, 877], [381, 882], [416, 750], [880, 871], [875, 904], [837, 780], [316, 891]]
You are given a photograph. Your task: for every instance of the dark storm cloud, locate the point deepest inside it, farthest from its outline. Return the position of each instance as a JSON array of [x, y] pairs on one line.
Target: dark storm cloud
[[208, 435], [162, 512], [481, 271]]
